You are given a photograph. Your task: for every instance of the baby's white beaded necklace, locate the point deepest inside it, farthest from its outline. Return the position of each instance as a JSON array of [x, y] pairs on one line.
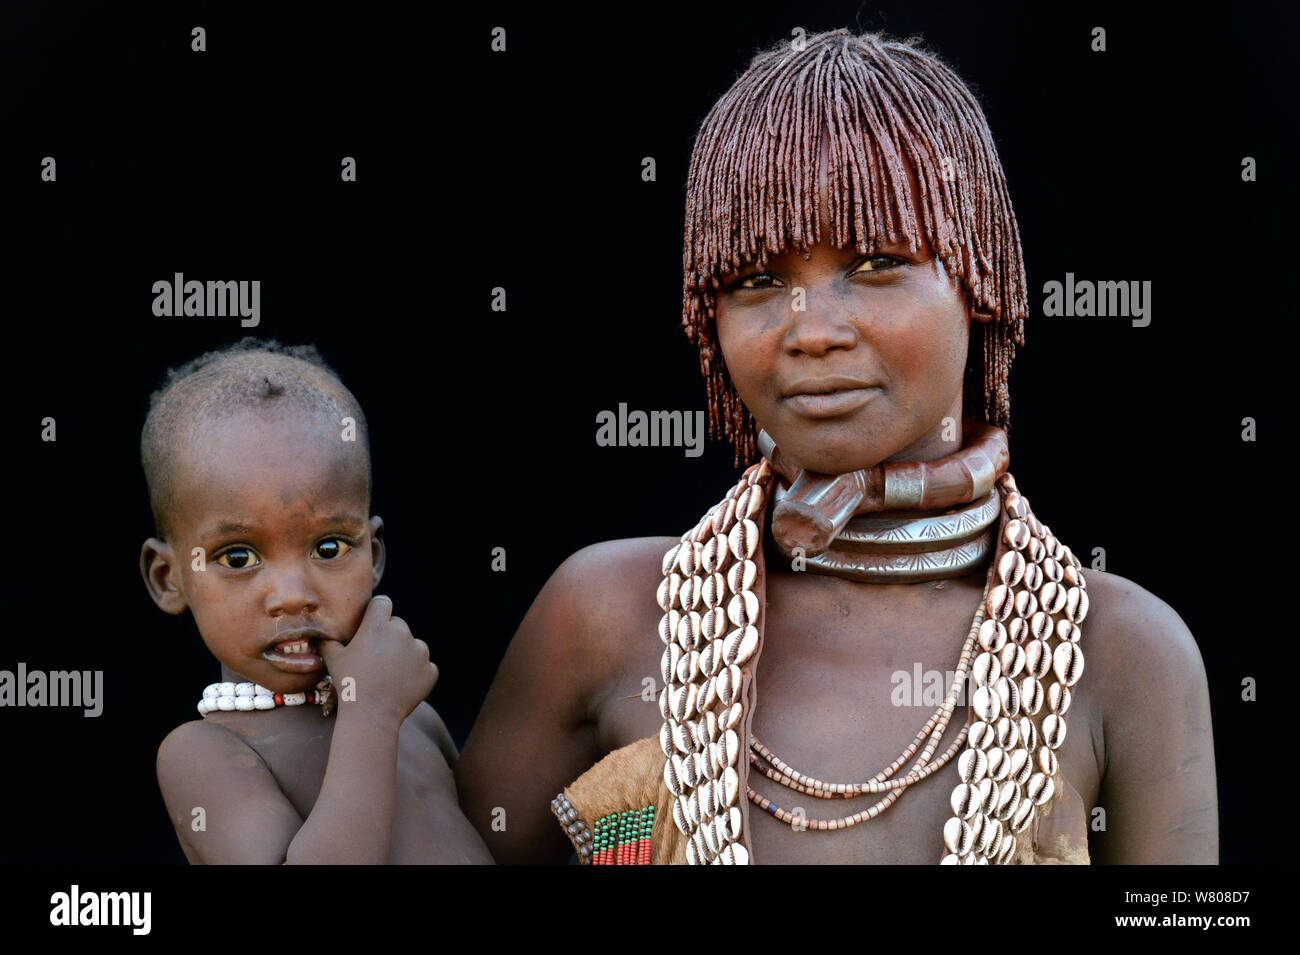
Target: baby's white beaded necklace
[[254, 696]]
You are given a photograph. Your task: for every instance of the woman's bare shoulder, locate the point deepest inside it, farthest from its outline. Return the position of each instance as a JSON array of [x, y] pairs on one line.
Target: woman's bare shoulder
[[615, 579], [1133, 639]]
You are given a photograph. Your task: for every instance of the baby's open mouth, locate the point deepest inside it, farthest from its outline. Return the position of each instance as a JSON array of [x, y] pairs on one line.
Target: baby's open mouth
[[294, 647], [300, 655]]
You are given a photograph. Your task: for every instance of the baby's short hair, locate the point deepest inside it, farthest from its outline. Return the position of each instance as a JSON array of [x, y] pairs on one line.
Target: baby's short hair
[[251, 373]]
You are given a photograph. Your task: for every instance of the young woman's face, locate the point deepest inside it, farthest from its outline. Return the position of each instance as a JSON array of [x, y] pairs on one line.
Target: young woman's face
[[848, 359]]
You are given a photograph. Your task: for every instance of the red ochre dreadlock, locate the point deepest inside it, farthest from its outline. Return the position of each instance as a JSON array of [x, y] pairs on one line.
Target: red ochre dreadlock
[[881, 105]]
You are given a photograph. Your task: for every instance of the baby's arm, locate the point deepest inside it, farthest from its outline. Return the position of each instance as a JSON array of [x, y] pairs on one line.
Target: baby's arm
[[247, 817], [223, 801]]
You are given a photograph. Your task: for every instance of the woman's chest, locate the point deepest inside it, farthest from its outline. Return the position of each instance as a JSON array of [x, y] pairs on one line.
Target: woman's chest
[[852, 680]]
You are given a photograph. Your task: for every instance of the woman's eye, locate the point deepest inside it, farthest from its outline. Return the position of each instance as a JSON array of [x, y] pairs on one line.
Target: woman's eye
[[237, 558], [332, 548], [758, 279], [876, 263]]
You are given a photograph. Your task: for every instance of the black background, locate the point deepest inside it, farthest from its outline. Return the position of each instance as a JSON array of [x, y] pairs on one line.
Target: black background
[[522, 170]]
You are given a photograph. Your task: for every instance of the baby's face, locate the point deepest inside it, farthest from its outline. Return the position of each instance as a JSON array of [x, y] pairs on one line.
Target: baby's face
[[279, 506]]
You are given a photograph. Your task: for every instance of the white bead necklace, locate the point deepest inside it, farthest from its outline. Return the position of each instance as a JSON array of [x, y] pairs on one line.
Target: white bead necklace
[[254, 696]]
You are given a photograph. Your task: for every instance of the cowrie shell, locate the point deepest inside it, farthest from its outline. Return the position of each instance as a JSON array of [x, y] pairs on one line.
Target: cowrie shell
[[1028, 733], [688, 558], [682, 741], [1031, 695], [680, 818], [1053, 596], [985, 703], [742, 575], [689, 630], [1023, 816], [1016, 534], [998, 764], [990, 837], [1047, 761], [1033, 577], [1008, 695], [1026, 604], [1076, 604], [689, 593], [729, 749], [728, 684], [1038, 659], [1053, 730], [730, 785], [985, 669], [1039, 789], [668, 626], [1020, 766], [1058, 699], [1012, 659], [667, 593], [1011, 568], [725, 516], [688, 666], [1008, 800], [672, 774], [1066, 631], [743, 539], [713, 624], [992, 635], [668, 662], [1000, 602], [965, 800], [1067, 662], [972, 764], [714, 591], [957, 835], [740, 646], [743, 608], [666, 738], [715, 553], [732, 716]]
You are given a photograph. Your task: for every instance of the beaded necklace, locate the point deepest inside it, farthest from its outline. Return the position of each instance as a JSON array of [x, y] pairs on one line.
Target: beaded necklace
[[1035, 591], [253, 696]]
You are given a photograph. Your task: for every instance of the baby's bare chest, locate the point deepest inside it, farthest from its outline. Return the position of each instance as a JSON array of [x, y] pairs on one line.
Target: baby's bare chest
[[298, 754]]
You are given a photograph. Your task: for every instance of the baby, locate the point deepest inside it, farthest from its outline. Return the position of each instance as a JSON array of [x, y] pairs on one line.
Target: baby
[[258, 467]]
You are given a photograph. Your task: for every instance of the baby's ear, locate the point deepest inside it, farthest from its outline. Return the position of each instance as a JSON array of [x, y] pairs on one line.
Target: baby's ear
[[378, 554], [162, 575]]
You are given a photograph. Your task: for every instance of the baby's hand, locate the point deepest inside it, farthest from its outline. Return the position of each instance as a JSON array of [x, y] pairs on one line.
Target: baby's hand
[[389, 669]]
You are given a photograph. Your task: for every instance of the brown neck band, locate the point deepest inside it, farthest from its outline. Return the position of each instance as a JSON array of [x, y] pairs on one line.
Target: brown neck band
[[817, 507]]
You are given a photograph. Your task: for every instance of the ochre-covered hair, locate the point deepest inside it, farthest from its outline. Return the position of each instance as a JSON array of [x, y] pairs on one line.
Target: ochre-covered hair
[[880, 106]]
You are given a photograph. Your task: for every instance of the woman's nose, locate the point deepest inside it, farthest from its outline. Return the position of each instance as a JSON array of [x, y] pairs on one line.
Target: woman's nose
[[819, 327]]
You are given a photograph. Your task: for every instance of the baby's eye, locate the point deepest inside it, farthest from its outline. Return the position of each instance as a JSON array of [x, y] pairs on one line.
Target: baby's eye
[[332, 548], [237, 558], [876, 263]]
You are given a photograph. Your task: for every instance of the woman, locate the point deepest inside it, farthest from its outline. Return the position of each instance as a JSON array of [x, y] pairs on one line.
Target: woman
[[854, 281]]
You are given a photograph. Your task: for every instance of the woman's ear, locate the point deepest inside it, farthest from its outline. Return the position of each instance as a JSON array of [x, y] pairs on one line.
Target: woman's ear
[[378, 555], [162, 575]]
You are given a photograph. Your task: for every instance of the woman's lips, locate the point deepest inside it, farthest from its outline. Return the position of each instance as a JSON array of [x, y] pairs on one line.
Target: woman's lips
[[831, 404]]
